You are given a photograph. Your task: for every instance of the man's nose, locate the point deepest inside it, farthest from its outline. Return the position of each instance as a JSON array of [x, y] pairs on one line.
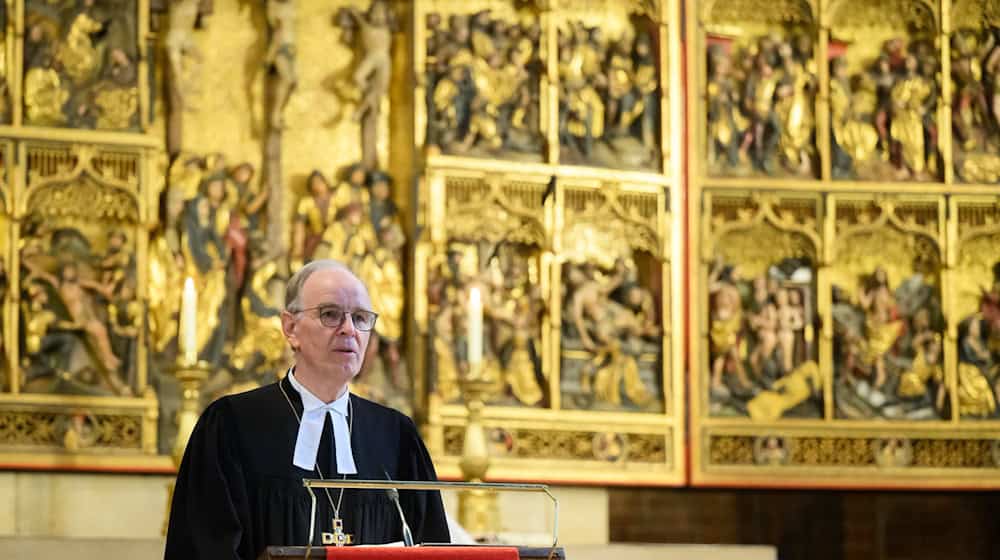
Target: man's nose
[[347, 327]]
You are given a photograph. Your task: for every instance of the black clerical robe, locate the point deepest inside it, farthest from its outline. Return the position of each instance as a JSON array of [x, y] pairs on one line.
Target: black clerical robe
[[238, 492]]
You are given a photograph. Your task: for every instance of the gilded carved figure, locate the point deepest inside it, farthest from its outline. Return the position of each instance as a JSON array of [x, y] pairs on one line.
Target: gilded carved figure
[[184, 59], [207, 253], [483, 79], [610, 335], [770, 450], [371, 34], [166, 269], [383, 272], [214, 230], [975, 66], [512, 322], [183, 54], [349, 238], [280, 58], [515, 318], [978, 388], [609, 97], [81, 65], [854, 137], [80, 322], [976, 368], [347, 222], [762, 354], [448, 296], [726, 123], [313, 214], [259, 351], [760, 106], [884, 113], [248, 218], [888, 354]]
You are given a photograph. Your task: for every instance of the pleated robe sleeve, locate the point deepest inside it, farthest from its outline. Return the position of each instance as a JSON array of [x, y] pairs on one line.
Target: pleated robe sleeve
[[423, 508], [209, 515]]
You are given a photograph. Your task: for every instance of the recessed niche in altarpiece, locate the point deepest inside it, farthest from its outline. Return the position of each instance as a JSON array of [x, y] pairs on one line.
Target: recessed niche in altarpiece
[[77, 388], [579, 323]]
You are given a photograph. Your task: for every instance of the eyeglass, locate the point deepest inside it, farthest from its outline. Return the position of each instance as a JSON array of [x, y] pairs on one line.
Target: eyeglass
[[332, 317]]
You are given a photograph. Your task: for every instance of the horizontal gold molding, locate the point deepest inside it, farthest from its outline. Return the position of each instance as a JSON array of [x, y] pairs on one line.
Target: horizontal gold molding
[[438, 163], [757, 183], [103, 461], [34, 401], [849, 428], [130, 139], [570, 472], [563, 419], [847, 477]]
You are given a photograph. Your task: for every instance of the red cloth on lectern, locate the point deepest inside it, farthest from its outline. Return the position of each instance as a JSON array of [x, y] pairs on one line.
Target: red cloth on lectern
[[422, 553]]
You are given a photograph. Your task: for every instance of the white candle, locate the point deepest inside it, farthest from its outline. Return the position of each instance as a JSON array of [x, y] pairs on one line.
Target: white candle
[[189, 321], [474, 335]]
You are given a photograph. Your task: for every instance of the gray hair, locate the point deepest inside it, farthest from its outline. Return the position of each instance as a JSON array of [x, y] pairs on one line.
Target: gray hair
[[293, 290]]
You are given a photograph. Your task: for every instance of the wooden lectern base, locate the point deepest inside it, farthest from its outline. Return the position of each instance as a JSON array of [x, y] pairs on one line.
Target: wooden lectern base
[[429, 552]]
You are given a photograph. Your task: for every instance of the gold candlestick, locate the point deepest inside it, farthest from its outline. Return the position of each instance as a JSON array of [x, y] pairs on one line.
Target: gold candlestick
[[191, 376], [477, 509]]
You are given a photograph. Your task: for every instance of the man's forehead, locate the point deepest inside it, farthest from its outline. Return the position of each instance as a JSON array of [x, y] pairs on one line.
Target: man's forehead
[[334, 286]]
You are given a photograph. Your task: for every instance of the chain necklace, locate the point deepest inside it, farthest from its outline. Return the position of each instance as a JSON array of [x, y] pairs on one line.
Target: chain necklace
[[350, 426]]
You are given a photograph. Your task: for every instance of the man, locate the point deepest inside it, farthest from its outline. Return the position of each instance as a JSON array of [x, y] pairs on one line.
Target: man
[[239, 488]]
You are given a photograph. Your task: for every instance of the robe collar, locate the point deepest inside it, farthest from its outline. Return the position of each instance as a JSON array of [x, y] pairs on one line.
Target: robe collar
[[312, 417]]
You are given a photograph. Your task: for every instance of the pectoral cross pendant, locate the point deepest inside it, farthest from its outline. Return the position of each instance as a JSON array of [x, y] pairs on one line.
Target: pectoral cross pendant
[[338, 537]]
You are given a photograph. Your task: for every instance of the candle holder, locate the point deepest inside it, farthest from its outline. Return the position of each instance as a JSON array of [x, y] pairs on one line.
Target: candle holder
[[190, 376], [477, 508]]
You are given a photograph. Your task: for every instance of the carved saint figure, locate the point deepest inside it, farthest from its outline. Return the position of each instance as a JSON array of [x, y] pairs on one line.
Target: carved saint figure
[[373, 71], [280, 56], [975, 367], [910, 96], [315, 212], [786, 393], [207, 256], [726, 323], [881, 321], [180, 44], [790, 321]]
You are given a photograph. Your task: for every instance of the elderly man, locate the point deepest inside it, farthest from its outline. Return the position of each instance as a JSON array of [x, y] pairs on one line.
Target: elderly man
[[239, 488]]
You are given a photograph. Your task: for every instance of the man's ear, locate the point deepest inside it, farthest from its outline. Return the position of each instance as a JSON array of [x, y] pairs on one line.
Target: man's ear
[[288, 324]]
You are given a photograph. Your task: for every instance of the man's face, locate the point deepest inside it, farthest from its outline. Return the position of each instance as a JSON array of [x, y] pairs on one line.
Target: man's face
[[334, 351]]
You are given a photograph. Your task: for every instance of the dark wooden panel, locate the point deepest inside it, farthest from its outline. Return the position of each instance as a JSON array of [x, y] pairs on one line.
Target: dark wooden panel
[[815, 524]]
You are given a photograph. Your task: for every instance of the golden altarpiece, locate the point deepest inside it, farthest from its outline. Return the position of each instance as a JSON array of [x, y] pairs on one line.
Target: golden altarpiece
[[845, 262], [728, 242], [519, 148]]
